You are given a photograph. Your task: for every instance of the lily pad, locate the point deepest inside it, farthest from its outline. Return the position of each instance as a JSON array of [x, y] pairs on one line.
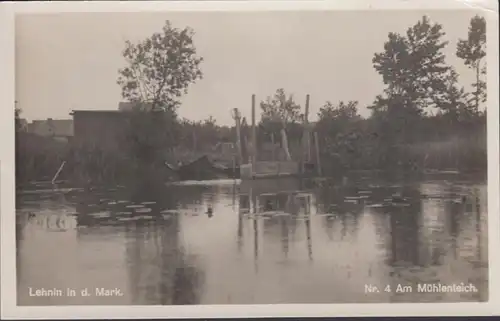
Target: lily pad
[[101, 214], [134, 206], [169, 212], [124, 213], [375, 205]]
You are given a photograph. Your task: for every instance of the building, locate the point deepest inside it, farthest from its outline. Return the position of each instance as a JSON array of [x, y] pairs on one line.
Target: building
[[101, 128], [59, 129]]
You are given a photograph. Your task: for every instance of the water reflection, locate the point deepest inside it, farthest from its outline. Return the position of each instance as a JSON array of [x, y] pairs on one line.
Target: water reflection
[[295, 242]]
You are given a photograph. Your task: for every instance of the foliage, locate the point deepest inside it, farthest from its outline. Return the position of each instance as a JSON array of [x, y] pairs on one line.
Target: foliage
[[423, 118], [37, 158], [203, 135], [455, 101], [280, 108], [17, 119], [413, 69], [160, 68], [335, 121], [280, 111], [473, 52], [151, 135], [338, 127]]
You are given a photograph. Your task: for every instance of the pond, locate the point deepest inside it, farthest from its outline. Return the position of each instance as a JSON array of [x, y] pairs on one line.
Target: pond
[[260, 242]]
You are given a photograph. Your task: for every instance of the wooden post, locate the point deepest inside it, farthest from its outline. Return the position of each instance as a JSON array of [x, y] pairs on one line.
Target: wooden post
[[284, 141], [273, 147], [305, 155], [318, 160], [58, 172], [307, 133], [254, 133], [234, 168], [246, 146], [237, 118]]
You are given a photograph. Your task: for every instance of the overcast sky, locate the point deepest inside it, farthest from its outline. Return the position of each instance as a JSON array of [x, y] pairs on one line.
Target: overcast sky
[[70, 61]]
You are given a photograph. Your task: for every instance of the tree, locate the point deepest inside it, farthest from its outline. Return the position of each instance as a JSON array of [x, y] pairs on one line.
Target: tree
[[338, 129], [413, 69], [280, 108], [150, 136], [341, 111], [279, 114], [473, 51], [17, 119], [455, 101], [160, 68], [416, 76]]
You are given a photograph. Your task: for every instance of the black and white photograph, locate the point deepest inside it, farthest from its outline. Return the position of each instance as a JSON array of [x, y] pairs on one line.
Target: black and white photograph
[[252, 157]]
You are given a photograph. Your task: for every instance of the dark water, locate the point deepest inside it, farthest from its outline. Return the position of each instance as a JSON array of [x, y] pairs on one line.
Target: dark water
[[266, 242]]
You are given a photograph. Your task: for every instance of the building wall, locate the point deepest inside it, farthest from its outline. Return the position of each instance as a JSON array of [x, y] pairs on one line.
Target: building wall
[[128, 106], [102, 129], [51, 127]]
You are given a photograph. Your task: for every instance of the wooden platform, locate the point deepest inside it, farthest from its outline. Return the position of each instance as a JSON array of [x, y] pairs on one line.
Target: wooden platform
[[269, 169]]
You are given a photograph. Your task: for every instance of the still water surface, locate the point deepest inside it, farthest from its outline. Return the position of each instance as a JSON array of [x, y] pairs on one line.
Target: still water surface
[[227, 242]]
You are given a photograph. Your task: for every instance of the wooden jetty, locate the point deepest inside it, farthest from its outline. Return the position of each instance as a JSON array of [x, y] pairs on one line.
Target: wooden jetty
[[269, 169], [259, 169]]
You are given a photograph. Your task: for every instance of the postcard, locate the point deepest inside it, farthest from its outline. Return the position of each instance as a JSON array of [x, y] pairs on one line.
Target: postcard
[[249, 158]]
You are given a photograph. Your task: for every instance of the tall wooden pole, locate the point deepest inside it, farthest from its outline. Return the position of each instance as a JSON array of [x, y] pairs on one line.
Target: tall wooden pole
[[305, 155], [254, 133], [284, 138], [237, 118], [274, 147], [318, 160], [307, 133]]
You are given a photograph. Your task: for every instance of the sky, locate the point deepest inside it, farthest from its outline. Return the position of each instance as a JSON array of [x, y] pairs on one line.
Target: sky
[[70, 61]]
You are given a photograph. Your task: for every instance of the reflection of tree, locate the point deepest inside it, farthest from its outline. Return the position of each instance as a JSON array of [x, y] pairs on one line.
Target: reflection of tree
[[21, 222], [332, 201], [402, 237], [159, 270], [454, 224], [309, 239], [240, 232], [187, 282], [285, 238], [404, 223], [479, 232]]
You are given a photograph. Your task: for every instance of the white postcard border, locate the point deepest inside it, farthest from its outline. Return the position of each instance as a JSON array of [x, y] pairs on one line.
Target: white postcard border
[[8, 296]]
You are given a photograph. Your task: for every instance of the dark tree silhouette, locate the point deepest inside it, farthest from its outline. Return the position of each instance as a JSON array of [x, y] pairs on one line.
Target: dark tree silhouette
[[339, 131], [473, 51], [413, 69], [280, 108], [160, 68]]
